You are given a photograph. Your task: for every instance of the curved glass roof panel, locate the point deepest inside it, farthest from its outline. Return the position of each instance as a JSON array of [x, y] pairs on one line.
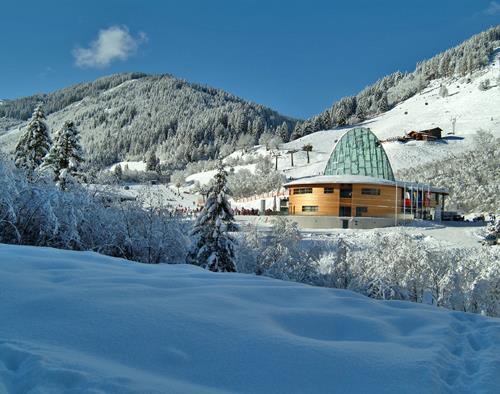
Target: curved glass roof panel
[[359, 152]]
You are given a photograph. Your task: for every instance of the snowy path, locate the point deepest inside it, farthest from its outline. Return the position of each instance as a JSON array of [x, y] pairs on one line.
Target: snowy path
[[75, 322]]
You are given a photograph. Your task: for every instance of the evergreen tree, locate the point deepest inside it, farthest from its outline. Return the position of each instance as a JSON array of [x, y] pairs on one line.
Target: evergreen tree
[[65, 155], [283, 131], [298, 132], [383, 104], [34, 144], [214, 248], [151, 162], [118, 171]]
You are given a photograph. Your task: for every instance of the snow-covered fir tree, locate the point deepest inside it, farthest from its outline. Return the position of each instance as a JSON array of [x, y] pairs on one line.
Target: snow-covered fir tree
[[151, 162], [214, 246], [34, 144], [65, 155], [118, 171]]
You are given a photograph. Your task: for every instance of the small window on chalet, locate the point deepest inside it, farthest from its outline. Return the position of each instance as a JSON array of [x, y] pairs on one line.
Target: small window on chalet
[[309, 208], [303, 190], [361, 210], [370, 192], [328, 190]]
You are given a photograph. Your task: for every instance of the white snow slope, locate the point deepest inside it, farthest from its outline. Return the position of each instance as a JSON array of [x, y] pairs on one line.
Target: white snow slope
[[76, 322], [472, 108]]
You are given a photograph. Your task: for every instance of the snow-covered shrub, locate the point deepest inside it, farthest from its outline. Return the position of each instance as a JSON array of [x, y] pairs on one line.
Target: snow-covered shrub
[[39, 214], [484, 85], [443, 91], [400, 266], [277, 253], [244, 184], [265, 138], [178, 179], [385, 265]]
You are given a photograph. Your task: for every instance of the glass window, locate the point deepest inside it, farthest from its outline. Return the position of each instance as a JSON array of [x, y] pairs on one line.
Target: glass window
[[361, 210], [346, 191], [328, 190], [309, 208], [370, 192], [303, 190], [345, 211]]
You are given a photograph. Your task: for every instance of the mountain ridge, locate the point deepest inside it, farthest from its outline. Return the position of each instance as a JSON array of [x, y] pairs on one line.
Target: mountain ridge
[[177, 120]]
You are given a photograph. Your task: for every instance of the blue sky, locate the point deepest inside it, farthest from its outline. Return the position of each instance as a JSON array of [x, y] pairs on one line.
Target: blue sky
[[294, 56]]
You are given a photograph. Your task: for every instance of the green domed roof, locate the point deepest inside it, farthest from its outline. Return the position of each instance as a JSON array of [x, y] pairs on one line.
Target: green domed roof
[[359, 152]]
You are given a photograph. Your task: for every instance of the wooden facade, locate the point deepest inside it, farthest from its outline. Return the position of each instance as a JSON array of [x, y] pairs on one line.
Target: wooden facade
[[356, 200], [425, 135]]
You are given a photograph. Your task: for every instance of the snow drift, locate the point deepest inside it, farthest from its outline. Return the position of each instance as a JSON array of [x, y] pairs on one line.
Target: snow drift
[[82, 322]]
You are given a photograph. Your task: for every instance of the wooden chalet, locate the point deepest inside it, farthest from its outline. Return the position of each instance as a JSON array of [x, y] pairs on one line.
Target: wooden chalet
[[426, 135]]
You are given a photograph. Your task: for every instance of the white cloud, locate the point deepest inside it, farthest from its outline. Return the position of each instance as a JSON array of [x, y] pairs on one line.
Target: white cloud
[[113, 43], [493, 8]]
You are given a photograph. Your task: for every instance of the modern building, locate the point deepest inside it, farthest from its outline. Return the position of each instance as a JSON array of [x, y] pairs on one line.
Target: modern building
[[358, 189]]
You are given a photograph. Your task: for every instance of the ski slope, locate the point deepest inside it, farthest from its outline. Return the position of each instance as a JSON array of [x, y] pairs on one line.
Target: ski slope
[[472, 108], [76, 322]]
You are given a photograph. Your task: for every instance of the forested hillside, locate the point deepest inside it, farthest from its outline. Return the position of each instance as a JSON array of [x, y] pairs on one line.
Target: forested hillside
[[397, 87], [22, 108], [128, 116]]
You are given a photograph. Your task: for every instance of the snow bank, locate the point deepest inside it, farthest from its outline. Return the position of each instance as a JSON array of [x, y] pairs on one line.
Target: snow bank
[[82, 322]]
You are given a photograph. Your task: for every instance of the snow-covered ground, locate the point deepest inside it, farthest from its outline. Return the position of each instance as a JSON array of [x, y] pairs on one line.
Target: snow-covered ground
[[81, 322], [131, 165], [156, 195], [203, 178], [448, 234]]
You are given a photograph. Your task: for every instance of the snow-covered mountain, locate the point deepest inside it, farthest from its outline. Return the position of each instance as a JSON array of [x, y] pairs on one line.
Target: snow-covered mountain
[[473, 109], [83, 322], [462, 60], [127, 116]]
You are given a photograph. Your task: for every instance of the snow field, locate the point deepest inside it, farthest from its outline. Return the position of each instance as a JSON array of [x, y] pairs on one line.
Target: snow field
[[82, 322]]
